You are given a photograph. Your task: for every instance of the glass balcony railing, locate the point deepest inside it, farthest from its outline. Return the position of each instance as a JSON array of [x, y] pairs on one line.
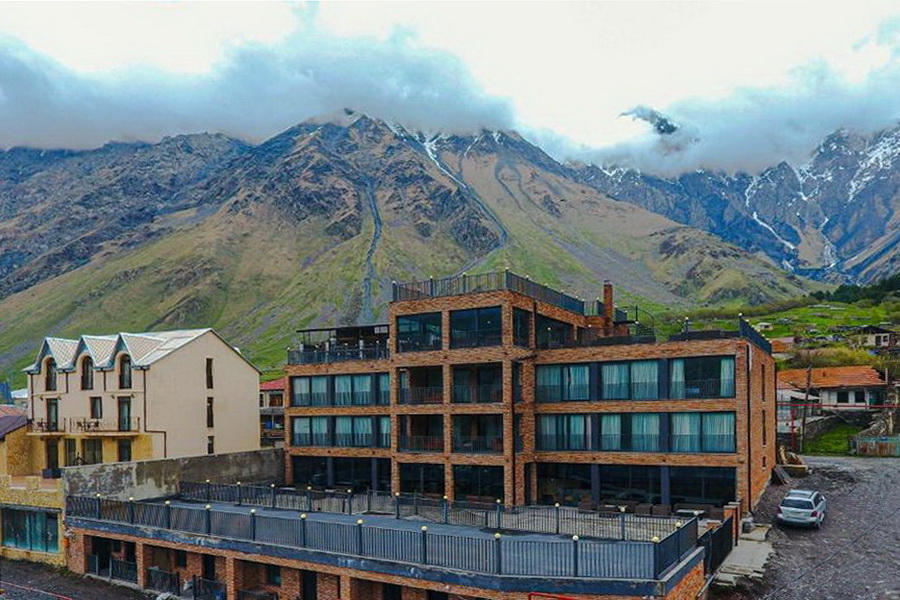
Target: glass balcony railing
[[421, 395], [422, 443], [478, 444], [477, 394], [475, 339]]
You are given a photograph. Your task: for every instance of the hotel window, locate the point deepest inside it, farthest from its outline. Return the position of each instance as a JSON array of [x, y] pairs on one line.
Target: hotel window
[[629, 432], [353, 432], [521, 327], [419, 332], [50, 376], [309, 391], [310, 431], [635, 380], [702, 377], [702, 432], [124, 450], [561, 383], [384, 388], [87, 373], [563, 432], [30, 530], [550, 333], [475, 327], [96, 407], [352, 389], [92, 451], [209, 373], [125, 372]]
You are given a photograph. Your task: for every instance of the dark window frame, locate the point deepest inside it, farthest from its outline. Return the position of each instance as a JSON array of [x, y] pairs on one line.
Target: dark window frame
[[483, 334], [87, 373]]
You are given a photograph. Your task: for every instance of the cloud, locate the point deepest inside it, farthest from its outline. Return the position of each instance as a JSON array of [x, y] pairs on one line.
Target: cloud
[[752, 129], [256, 91]]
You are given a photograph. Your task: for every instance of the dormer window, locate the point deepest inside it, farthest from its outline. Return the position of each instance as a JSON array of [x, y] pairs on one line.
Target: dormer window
[[125, 372], [87, 373], [50, 376]]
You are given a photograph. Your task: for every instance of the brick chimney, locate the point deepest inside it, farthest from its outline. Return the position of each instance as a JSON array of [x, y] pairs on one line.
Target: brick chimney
[[608, 308]]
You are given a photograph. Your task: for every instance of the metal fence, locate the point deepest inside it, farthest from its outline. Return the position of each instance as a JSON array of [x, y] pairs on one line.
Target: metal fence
[[123, 570], [560, 520], [163, 581], [875, 446], [717, 544], [478, 553]]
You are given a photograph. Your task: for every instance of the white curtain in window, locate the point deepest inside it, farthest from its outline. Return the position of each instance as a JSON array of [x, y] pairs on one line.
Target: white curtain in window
[[362, 431], [319, 426], [644, 432], [343, 389], [577, 382], [615, 381], [676, 386], [548, 380], [302, 425], [343, 429], [685, 430], [644, 380], [577, 432], [362, 388], [726, 376], [547, 433], [610, 432], [718, 432], [319, 389], [300, 387]]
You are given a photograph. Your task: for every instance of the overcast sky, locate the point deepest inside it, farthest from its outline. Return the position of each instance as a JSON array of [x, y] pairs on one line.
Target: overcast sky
[[747, 83]]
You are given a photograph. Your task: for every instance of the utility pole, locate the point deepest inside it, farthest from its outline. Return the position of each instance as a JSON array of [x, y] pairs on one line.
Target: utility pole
[[805, 406]]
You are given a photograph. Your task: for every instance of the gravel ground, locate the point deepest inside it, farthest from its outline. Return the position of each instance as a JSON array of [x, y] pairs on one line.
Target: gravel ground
[[47, 583], [856, 553]]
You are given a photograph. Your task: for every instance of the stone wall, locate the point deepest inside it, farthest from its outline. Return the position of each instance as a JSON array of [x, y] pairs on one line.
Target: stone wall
[[158, 478]]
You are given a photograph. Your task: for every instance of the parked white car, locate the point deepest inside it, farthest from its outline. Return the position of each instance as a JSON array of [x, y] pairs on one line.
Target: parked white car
[[802, 507]]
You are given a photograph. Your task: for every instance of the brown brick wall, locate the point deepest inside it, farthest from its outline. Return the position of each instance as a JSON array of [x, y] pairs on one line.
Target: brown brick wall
[[689, 587]]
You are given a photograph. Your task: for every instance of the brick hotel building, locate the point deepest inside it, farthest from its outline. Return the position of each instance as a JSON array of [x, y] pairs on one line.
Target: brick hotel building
[[493, 387]]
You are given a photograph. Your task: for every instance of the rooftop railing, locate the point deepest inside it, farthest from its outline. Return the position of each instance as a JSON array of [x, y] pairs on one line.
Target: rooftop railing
[[744, 330]]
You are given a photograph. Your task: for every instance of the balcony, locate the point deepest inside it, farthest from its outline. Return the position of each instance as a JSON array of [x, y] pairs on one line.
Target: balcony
[[418, 342], [337, 354], [694, 389], [45, 426], [271, 411], [421, 395], [422, 443], [477, 394], [123, 425], [340, 344], [478, 444]]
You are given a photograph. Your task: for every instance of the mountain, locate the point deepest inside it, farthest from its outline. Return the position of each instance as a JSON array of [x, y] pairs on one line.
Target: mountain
[[311, 226], [834, 218]]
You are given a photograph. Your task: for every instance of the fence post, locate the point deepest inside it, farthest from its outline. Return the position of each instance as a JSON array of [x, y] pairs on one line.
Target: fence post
[[656, 561], [240, 494], [99, 508], [369, 501], [131, 509], [498, 554], [349, 502], [396, 505], [359, 537], [623, 533], [309, 498], [273, 495], [575, 556], [303, 530], [446, 508], [194, 587], [208, 519], [424, 557], [168, 513], [253, 524], [208, 491], [499, 514], [556, 506]]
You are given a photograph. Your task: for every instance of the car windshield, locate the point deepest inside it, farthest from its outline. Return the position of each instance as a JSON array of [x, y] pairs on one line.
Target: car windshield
[[797, 503]]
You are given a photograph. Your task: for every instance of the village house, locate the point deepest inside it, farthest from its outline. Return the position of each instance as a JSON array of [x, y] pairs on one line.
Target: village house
[[839, 388]]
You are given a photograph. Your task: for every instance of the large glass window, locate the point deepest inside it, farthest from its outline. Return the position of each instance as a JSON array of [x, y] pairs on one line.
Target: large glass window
[[702, 377], [630, 482], [422, 478], [310, 470], [521, 327], [477, 483], [353, 432], [562, 383], [419, 332], [92, 451], [50, 376], [635, 380], [631, 432], [309, 391], [702, 432], [30, 530], [384, 388], [475, 327], [478, 433], [563, 432], [702, 485], [550, 333], [352, 389], [310, 431], [568, 484], [478, 384], [354, 473]]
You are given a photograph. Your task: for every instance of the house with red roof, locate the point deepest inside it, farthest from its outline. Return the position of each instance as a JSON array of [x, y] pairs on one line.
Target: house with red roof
[[271, 413], [839, 388]]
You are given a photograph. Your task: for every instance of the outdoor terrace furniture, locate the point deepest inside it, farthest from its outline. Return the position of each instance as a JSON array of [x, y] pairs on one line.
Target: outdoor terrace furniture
[[643, 509]]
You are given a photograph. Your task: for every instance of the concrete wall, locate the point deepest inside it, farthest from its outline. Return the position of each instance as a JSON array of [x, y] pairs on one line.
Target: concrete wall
[[156, 478]]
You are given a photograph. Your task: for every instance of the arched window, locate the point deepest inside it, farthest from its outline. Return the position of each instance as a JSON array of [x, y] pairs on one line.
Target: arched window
[[87, 373], [50, 381], [125, 372]]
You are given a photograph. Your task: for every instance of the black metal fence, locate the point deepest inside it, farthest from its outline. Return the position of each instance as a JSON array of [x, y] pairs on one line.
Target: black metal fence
[[718, 544], [558, 520], [163, 581], [123, 570], [478, 553]]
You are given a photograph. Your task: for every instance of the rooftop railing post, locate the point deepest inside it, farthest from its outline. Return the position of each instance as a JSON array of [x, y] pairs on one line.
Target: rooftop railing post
[[575, 556], [369, 501], [499, 514], [274, 491], [424, 557], [359, 537], [240, 493], [168, 514], [622, 517], [397, 505], [131, 510], [208, 491], [498, 554], [349, 502], [309, 498], [208, 519], [99, 508], [445, 507], [656, 557], [556, 506], [253, 524], [303, 530]]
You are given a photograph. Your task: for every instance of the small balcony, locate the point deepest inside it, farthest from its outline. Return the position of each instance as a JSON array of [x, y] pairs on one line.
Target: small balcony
[[478, 444], [422, 443], [477, 394], [123, 425], [421, 395], [47, 426]]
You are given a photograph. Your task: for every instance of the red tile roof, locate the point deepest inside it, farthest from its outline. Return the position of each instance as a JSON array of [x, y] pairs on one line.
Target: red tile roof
[[272, 386], [833, 377], [11, 410]]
